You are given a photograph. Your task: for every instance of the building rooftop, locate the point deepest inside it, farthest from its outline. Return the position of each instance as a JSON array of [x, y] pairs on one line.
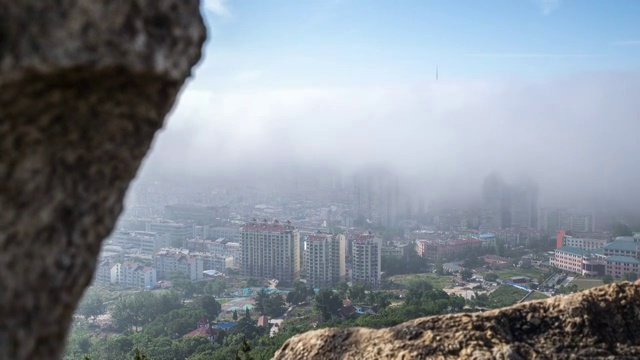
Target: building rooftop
[[621, 246], [623, 259], [573, 250]]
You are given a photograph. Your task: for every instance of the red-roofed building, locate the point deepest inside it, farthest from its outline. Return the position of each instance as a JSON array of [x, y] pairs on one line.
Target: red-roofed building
[[271, 250], [137, 275], [263, 321], [203, 328]]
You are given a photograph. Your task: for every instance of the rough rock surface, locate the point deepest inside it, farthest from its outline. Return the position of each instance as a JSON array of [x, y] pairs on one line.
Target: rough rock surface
[[600, 323], [84, 85]]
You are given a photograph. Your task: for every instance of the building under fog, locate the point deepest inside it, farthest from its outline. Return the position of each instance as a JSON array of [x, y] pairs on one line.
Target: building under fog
[[270, 250]]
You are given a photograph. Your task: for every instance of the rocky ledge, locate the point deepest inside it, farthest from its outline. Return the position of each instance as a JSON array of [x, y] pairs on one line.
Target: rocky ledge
[[603, 322]]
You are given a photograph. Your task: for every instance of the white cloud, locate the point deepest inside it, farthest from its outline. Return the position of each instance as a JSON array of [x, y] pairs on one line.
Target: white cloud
[[218, 7], [626, 43], [571, 134], [249, 75], [531, 55], [548, 6]]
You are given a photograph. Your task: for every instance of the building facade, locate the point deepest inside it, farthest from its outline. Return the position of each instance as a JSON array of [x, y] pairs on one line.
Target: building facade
[[270, 250], [366, 260], [450, 250], [167, 261], [325, 257]]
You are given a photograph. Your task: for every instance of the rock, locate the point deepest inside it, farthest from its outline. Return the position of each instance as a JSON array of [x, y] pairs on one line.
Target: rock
[[602, 322], [84, 85]]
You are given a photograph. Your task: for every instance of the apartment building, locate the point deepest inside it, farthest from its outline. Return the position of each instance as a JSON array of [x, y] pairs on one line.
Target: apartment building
[[270, 250], [583, 243], [143, 241], [366, 260], [167, 261], [178, 232], [450, 250], [137, 275], [616, 258], [108, 273], [217, 232], [325, 259]]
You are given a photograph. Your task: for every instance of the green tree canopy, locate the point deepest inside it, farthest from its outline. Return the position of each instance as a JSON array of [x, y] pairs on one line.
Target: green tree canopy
[[327, 303]]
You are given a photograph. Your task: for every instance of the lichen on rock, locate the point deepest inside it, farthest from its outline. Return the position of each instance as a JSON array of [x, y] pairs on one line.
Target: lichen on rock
[[599, 323]]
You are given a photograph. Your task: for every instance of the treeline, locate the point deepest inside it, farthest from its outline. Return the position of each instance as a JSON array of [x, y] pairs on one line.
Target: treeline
[[155, 325]]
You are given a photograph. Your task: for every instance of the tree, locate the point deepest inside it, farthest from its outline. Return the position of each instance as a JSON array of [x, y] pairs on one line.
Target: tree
[[247, 315], [210, 306], [631, 276], [466, 274], [357, 293], [261, 299], [490, 277], [253, 282], [235, 314], [274, 306], [181, 282], [439, 267], [92, 304], [216, 287], [621, 229], [500, 247], [327, 303], [607, 279], [342, 288]]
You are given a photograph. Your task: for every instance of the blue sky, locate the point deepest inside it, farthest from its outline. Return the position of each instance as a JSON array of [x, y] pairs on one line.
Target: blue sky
[[373, 42]]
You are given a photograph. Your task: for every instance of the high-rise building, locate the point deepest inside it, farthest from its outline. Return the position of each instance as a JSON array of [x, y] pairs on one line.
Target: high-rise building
[[508, 206], [523, 200], [495, 204], [270, 250], [376, 196], [366, 260], [577, 221], [325, 259]]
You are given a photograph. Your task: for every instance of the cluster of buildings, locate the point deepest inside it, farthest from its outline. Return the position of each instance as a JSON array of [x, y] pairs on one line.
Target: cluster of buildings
[[126, 274], [276, 250], [597, 256]]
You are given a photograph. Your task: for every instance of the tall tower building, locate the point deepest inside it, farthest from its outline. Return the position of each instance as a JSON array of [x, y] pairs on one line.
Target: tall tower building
[[508, 206], [325, 260], [270, 250], [495, 204], [524, 205], [376, 196], [366, 260]]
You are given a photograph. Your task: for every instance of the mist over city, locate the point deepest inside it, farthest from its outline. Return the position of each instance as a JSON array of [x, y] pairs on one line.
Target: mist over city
[[572, 135]]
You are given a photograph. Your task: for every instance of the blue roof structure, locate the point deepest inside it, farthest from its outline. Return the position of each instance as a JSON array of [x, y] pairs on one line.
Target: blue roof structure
[[573, 250], [623, 259], [225, 326], [487, 235], [621, 246]]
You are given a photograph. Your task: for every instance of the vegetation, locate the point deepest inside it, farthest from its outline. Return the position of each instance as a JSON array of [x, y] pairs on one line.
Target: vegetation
[[490, 277], [327, 303], [621, 229], [410, 263], [607, 279], [466, 274], [504, 295], [153, 325]]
